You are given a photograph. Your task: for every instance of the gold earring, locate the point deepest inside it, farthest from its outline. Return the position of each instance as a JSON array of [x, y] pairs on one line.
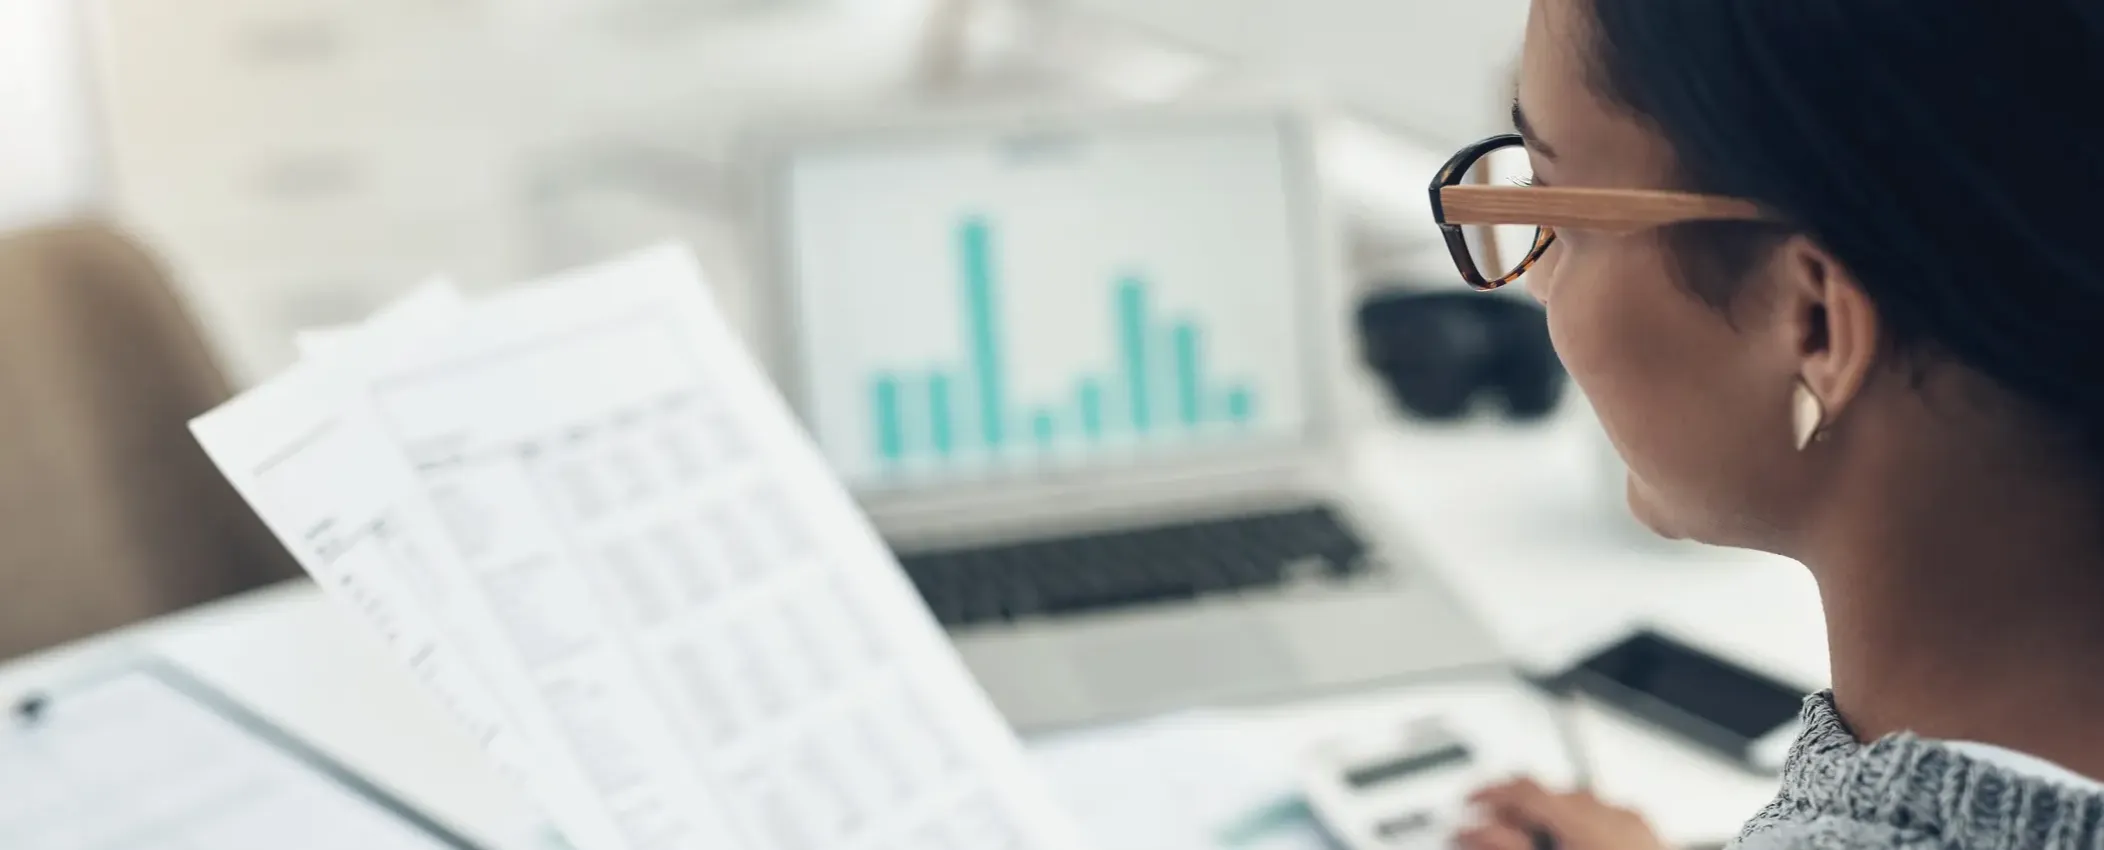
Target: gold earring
[[1807, 414]]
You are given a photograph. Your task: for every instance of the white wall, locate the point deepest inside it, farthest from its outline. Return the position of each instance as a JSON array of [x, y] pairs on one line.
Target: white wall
[[297, 163], [1432, 65], [1441, 71], [48, 164]]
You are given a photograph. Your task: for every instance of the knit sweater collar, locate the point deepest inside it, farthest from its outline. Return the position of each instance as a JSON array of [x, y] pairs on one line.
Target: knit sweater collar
[[1921, 788]]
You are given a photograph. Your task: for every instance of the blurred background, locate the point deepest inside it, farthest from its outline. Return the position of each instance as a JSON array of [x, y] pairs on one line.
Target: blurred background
[[295, 162]]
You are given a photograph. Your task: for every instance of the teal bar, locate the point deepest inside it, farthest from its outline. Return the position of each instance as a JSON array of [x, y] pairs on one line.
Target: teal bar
[[1132, 335], [891, 419], [1092, 409], [1241, 405], [942, 434], [1184, 340], [1045, 427], [975, 243]]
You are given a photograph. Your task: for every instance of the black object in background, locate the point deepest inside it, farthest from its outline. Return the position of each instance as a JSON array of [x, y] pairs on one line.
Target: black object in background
[[1441, 353], [1715, 703]]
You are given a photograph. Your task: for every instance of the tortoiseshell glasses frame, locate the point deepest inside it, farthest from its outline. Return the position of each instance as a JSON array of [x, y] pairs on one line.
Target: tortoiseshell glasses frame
[[1455, 206]]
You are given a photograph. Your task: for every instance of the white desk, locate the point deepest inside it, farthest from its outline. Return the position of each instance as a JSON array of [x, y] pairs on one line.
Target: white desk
[[1510, 515]]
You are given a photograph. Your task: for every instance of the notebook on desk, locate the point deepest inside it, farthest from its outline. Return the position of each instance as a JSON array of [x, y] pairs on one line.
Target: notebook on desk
[[149, 757]]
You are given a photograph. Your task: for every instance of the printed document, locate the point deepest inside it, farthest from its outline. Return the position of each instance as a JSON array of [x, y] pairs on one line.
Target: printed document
[[580, 513]]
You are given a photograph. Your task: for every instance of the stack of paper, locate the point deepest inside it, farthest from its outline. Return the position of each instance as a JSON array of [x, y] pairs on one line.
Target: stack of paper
[[582, 516]]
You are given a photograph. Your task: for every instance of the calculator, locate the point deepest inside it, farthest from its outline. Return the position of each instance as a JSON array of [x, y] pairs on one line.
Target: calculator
[[1402, 787]]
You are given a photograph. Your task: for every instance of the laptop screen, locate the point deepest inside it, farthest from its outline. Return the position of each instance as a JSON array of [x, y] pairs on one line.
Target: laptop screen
[[978, 305]]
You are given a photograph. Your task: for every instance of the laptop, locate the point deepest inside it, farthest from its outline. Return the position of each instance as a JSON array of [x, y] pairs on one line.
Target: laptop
[[1084, 372]]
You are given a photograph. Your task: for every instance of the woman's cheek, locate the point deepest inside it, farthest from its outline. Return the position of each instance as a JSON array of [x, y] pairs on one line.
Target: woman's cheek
[[1565, 297]]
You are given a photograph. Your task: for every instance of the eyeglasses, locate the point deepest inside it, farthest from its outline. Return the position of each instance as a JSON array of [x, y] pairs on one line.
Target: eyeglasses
[[1496, 233]]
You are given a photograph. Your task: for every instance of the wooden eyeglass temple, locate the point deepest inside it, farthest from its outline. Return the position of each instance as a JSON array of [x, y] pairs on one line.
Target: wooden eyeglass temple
[[1608, 210]]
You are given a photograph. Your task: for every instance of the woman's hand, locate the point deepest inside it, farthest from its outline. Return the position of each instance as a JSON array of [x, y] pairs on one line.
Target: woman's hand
[[1525, 816]]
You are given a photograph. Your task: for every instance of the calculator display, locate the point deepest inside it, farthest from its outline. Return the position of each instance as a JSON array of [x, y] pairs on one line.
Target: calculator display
[[1383, 772]]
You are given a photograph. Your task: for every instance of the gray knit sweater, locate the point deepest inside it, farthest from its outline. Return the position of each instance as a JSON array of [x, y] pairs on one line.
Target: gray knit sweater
[[1905, 793]]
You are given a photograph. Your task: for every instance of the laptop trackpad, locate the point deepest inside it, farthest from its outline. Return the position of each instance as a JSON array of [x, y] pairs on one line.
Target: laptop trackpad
[[1171, 659]]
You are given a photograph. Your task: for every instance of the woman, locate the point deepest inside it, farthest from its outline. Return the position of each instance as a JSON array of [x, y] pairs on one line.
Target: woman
[[1829, 272]]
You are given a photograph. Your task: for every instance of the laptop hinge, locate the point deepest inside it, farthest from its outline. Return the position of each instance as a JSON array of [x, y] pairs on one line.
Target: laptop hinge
[[1051, 510]]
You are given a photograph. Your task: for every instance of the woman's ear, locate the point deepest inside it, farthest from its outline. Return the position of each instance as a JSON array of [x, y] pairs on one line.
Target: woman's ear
[[1831, 324]]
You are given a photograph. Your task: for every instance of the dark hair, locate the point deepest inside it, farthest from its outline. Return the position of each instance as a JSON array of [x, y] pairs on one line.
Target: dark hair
[[1949, 152]]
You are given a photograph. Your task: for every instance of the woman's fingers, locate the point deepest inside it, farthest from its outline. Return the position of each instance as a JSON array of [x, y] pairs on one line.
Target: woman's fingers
[[1524, 803], [1522, 809], [1496, 836]]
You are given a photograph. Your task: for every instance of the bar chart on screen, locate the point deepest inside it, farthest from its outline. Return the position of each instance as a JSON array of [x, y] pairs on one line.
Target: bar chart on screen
[[1155, 383], [979, 307]]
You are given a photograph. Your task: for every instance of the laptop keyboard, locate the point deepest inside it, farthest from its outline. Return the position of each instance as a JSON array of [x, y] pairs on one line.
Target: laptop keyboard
[[1152, 565]]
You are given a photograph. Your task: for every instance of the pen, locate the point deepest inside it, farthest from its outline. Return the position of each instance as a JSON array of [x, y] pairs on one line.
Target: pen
[[1563, 708], [1563, 712]]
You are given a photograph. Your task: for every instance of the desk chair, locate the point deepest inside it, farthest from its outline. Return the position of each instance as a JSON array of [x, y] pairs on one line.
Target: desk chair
[[109, 512]]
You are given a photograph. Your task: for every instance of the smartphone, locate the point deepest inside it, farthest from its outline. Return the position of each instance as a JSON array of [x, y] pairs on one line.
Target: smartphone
[[1745, 716]]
